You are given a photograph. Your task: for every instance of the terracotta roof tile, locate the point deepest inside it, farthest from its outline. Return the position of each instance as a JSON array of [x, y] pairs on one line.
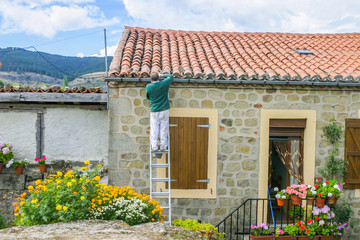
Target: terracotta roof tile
[[49, 90], [231, 55]]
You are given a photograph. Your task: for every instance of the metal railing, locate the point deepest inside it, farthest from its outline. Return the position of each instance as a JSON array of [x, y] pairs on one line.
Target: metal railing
[[254, 211]]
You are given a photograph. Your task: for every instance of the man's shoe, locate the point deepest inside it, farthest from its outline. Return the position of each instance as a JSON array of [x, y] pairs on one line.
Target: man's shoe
[[163, 148], [155, 149]]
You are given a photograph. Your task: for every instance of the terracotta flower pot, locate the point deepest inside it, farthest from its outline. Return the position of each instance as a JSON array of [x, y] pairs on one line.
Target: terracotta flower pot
[[296, 200], [280, 202], [42, 167], [262, 237], [19, 169], [1, 166], [332, 200], [310, 200], [319, 202], [285, 237]]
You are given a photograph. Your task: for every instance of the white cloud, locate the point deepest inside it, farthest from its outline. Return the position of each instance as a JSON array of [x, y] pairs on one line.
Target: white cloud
[[47, 17], [81, 55], [247, 15], [110, 52]]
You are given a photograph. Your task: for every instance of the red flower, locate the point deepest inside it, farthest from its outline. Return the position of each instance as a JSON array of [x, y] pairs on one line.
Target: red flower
[[302, 227], [317, 218], [327, 182], [318, 179], [307, 230], [316, 185], [320, 195], [309, 221], [299, 223]]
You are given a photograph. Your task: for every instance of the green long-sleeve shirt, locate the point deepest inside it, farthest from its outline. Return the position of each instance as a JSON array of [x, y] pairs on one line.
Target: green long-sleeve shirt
[[158, 92]]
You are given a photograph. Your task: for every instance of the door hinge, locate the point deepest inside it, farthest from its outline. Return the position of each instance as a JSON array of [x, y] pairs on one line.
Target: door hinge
[[205, 125], [173, 125], [204, 180]]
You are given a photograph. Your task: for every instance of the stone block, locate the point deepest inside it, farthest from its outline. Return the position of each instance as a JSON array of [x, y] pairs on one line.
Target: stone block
[[253, 97], [205, 212], [120, 106], [207, 104], [249, 165], [137, 102], [121, 142], [140, 111], [139, 183], [220, 104], [243, 149], [12, 182], [186, 93], [119, 177], [215, 94], [129, 119], [194, 104], [294, 98], [267, 98], [180, 103], [230, 96], [132, 92], [241, 105], [200, 94]]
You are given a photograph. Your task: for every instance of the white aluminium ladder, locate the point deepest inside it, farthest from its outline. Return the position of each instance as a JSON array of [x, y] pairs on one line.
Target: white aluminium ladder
[[164, 196]]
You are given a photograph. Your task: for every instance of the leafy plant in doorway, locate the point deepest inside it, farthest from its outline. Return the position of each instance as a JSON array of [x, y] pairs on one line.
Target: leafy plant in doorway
[[197, 226]]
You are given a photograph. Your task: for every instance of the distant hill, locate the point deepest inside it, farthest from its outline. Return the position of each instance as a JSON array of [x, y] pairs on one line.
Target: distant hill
[[21, 62]]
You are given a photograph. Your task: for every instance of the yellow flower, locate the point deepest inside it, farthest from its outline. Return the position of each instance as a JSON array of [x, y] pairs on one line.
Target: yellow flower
[[37, 191], [58, 207], [99, 166], [15, 203], [22, 203], [75, 192], [59, 174], [69, 184], [16, 214], [58, 186], [30, 187], [73, 180], [87, 162], [82, 197], [37, 182], [87, 180], [83, 168], [65, 208], [16, 209], [97, 178], [83, 187]]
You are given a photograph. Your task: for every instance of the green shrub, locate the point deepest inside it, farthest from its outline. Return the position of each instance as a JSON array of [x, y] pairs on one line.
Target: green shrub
[[78, 195], [2, 222], [196, 226]]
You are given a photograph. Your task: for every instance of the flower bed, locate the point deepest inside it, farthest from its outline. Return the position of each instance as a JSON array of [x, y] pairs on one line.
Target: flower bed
[[77, 195]]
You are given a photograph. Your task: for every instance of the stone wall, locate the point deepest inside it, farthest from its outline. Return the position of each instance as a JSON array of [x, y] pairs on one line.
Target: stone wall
[[238, 144]]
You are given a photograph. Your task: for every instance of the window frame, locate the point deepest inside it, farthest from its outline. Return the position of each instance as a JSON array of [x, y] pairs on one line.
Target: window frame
[[210, 191]]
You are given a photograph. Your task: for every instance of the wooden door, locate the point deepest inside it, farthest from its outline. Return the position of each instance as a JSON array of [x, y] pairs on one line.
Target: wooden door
[[352, 153]]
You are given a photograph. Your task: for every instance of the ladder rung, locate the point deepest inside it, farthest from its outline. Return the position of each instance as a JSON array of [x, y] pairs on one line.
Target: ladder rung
[[161, 152], [160, 193], [165, 208], [162, 165], [161, 179]]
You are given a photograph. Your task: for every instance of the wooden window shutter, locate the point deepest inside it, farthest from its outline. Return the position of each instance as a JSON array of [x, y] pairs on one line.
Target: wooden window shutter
[[189, 152], [352, 153]]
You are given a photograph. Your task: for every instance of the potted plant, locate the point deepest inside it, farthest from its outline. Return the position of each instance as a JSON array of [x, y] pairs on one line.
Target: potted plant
[[261, 232], [280, 196], [280, 234], [41, 162], [18, 165], [310, 196], [333, 191], [321, 193], [297, 192], [5, 154], [295, 229]]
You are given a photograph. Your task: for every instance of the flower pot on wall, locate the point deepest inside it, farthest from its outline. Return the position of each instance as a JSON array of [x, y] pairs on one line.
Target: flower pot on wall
[[332, 200], [280, 202], [319, 202], [19, 169], [310, 200], [1, 166], [208, 235], [42, 167], [286, 237], [296, 200]]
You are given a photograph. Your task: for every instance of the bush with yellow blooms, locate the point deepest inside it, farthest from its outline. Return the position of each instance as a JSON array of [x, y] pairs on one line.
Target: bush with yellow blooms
[[77, 195]]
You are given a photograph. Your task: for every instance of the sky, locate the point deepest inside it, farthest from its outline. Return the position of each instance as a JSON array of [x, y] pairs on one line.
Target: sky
[[76, 27]]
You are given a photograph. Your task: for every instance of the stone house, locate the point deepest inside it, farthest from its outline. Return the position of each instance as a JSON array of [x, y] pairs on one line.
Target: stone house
[[250, 89]]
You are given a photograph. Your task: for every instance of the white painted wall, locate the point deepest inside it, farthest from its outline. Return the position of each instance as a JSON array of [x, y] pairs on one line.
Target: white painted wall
[[76, 134], [70, 134], [18, 127]]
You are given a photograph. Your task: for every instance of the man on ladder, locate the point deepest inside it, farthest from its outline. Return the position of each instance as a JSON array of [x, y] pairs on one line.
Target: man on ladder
[[158, 94]]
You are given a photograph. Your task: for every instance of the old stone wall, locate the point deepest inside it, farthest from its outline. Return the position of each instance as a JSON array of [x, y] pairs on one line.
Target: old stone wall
[[239, 109]]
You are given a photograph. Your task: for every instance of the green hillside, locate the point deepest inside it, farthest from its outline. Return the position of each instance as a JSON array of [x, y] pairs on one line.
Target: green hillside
[[21, 61]]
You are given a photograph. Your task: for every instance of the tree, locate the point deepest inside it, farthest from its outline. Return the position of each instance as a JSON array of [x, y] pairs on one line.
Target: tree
[[65, 81]]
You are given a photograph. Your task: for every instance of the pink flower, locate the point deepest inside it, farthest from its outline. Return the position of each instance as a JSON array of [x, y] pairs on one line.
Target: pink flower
[[6, 150], [44, 157], [37, 159]]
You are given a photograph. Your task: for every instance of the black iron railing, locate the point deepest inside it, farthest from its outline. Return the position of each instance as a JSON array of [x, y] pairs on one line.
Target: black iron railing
[[237, 225]]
